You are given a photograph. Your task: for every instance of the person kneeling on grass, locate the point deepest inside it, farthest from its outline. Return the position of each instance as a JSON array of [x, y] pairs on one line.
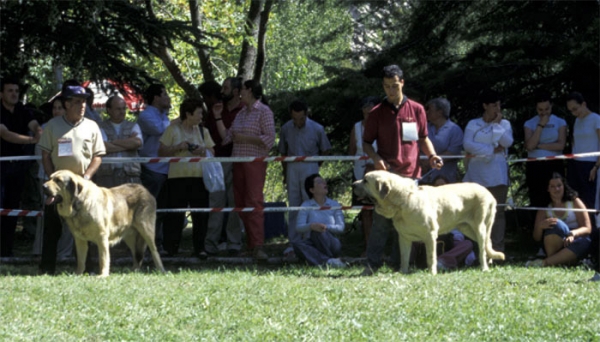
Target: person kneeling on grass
[[564, 233], [318, 245]]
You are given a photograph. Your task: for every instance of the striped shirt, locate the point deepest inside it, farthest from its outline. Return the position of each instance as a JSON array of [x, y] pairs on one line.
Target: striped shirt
[[256, 120]]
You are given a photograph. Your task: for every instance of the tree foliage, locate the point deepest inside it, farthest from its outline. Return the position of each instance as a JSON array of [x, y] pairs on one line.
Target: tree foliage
[[129, 41], [457, 48], [92, 38]]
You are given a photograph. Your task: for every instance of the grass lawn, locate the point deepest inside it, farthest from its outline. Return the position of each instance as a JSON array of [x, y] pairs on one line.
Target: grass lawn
[[290, 303], [234, 302]]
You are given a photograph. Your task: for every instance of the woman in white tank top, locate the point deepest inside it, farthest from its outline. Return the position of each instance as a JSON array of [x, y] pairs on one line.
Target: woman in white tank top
[[563, 232]]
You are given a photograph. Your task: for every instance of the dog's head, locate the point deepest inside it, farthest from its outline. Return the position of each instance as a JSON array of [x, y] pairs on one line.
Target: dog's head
[[373, 187], [63, 189], [384, 189]]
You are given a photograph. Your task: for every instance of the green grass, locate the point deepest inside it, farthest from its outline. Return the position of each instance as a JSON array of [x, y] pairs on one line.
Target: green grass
[[292, 303]]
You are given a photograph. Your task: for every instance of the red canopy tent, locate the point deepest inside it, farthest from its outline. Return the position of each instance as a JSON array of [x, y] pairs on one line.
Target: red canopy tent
[[108, 88]]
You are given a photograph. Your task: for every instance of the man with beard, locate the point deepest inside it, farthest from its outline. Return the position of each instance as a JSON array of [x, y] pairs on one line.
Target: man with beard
[[230, 95]]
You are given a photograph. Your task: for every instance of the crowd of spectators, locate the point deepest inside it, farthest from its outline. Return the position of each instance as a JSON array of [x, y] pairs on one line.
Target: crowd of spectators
[[234, 119]]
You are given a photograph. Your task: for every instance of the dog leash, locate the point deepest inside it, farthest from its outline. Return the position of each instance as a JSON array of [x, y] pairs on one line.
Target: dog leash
[[423, 176]]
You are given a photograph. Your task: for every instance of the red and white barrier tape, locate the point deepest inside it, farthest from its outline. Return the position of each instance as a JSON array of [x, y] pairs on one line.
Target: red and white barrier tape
[[562, 156], [264, 209], [547, 208], [18, 212], [113, 160], [34, 213]]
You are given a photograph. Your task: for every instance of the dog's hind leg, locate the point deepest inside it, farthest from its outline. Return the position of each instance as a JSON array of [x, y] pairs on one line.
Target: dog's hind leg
[[130, 241], [155, 256], [140, 249], [81, 246], [149, 239], [482, 241], [405, 248]]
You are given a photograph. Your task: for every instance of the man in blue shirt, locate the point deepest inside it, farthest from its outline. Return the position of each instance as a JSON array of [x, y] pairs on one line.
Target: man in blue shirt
[[153, 121], [446, 137]]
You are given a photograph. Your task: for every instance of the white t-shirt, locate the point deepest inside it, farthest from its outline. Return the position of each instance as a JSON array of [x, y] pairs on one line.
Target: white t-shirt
[[491, 169], [549, 134], [585, 136]]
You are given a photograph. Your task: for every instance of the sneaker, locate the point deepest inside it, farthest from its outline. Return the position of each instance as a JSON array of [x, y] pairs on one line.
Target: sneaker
[[260, 255], [367, 272], [200, 255], [441, 267], [535, 263], [289, 256], [587, 263], [541, 253], [596, 277], [336, 263], [234, 253], [470, 259]]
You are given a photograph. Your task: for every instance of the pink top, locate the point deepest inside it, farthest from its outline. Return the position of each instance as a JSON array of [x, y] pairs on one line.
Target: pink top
[[256, 120]]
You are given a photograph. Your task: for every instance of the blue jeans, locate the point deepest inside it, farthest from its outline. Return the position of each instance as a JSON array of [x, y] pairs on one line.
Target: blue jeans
[[154, 182], [580, 246], [381, 231], [319, 248]]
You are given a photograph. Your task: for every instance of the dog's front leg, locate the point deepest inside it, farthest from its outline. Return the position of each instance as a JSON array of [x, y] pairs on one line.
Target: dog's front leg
[[405, 248], [104, 254], [81, 246], [431, 252]]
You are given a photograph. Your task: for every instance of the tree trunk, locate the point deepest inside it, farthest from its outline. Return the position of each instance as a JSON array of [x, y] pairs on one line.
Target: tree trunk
[[248, 54], [161, 51], [262, 30], [203, 54]]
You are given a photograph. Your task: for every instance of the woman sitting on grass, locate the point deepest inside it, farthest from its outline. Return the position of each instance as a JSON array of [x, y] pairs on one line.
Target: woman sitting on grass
[[318, 246], [564, 233]]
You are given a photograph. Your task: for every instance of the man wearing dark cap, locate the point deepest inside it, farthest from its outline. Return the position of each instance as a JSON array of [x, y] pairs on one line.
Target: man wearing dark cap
[[69, 142]]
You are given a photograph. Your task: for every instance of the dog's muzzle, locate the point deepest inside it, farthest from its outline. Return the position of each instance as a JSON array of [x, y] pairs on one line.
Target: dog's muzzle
[[51, 198], [361, 194]]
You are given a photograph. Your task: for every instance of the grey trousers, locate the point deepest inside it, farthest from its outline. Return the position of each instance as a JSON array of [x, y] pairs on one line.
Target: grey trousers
[[233, 229]]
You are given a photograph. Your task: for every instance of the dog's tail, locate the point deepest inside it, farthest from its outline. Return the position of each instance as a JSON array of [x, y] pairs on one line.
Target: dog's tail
[[491, 253], [489, 221]]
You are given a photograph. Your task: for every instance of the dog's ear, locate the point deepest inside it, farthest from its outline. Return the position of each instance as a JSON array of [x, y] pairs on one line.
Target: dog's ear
[[384, 189], [72, 188]]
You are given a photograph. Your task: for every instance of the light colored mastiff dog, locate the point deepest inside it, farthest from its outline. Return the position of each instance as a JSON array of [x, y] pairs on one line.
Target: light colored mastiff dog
[[104, 216], [421, 213]]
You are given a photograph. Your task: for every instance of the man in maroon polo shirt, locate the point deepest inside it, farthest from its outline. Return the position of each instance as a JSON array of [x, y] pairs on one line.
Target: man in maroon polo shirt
[[229, 93], [399, 125]]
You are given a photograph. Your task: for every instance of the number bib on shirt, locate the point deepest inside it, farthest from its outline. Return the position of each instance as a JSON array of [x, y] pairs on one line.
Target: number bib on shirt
[[65, 147], [409, 131]]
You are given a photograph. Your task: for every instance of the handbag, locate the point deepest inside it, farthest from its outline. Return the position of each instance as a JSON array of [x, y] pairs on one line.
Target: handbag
[[212, 172], [212, 175]]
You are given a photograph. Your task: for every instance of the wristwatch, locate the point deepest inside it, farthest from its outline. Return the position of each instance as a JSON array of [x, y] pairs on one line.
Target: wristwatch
[[86, 177]]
